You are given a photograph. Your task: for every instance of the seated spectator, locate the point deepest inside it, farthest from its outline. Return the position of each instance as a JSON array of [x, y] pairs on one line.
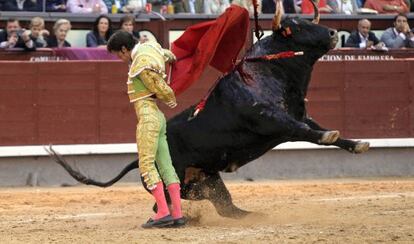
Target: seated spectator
[[215, 6], [363, 37], [60, 29], [11, 42], [343, 6], [127, 24], [56, 5], [86, 6], [23, 5], [38, 32], [15, 37], [102, 30], [11, 25], [387, 6], [324, 8], [400, 35], [248, 4]]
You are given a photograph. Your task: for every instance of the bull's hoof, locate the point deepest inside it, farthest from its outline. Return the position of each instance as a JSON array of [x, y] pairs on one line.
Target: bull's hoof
[[329, 137], [234, 213], [361, 147]]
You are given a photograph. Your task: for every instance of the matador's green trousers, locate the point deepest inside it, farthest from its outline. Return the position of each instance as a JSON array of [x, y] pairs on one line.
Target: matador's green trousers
[[152, 144]]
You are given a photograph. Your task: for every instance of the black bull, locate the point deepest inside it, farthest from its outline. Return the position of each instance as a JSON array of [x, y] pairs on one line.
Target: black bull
[[244, 118]]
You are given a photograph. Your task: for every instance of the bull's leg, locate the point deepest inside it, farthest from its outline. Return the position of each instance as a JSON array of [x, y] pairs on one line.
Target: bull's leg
[[212, 188], [281, 124], [299, 131], [346, 144]]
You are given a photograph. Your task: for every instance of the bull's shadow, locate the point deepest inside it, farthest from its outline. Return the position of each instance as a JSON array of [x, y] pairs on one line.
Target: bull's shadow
[[251, 110]]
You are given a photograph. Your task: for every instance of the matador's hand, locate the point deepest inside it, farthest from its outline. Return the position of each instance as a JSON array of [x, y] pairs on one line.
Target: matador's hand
[[172, 104]]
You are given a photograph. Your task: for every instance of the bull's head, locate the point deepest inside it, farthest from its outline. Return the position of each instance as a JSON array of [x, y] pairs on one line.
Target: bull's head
[[303, 35]]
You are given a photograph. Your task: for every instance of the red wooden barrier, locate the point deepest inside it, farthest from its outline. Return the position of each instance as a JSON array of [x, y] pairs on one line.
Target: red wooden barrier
[[86, 102]]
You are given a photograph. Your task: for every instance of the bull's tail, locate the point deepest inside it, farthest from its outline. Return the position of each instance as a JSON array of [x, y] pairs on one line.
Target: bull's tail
[[82, 178]]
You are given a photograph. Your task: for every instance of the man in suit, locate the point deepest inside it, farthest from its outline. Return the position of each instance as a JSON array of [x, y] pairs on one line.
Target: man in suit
[[20, 38], [363, 37], [399, 36]]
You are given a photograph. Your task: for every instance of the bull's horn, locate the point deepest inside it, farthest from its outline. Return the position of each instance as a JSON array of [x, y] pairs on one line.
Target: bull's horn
[[278, 16], [317, 16]]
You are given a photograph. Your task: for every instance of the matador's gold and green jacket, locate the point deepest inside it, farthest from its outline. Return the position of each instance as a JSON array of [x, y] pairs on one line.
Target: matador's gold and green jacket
[[150, 56]]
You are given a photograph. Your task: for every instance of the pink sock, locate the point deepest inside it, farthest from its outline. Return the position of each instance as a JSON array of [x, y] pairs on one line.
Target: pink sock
[[159, 196], [174, 191]]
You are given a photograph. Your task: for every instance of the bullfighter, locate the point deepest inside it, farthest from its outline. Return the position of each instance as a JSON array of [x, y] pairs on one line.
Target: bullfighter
[[146, 83]]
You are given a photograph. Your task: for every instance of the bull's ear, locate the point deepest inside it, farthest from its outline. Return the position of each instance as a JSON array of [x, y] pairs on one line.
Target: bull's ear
[[316, 16], [278, 16]]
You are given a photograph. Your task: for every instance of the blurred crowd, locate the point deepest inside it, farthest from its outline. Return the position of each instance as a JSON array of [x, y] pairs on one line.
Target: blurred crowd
[[207, 6], [399, 35], [36, 36]]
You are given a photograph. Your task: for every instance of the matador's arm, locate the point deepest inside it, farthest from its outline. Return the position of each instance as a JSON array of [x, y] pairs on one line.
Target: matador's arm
[[169, 57], [156, 84]]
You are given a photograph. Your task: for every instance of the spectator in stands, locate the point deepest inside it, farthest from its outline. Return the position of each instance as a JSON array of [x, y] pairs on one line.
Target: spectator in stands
[[60, 29], [324, 8], [400, 35], [11, 42], [248, 4], [127, 24], [23, 5], [12, 25], [86, 6], [215, 6], [38, 32], [102, 30], [387, 6], [56, 5], [343, 6], [16, 37], [363, 37]]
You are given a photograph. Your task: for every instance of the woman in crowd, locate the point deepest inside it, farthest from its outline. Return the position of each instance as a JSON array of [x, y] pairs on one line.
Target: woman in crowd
[[61, 29], [102, 30]]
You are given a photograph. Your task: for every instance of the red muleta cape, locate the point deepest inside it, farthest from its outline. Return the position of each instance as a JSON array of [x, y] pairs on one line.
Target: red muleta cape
[[216, 43]]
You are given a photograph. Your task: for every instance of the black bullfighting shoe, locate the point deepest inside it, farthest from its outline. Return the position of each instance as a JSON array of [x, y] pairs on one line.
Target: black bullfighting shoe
[[158, 223], [178, 222]]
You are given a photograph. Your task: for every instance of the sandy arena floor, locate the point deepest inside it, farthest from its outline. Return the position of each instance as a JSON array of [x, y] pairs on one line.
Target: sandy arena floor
[[328, 211]]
